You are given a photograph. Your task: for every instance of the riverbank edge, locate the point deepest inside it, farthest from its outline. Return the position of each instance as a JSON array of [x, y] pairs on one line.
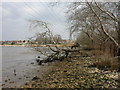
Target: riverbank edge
[[55, 45], [63, 66]]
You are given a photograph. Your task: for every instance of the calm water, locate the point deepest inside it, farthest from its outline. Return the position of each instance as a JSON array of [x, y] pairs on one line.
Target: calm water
[[18, 59]]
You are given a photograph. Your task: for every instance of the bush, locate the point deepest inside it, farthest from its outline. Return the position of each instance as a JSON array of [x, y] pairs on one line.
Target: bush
[[106, 63]]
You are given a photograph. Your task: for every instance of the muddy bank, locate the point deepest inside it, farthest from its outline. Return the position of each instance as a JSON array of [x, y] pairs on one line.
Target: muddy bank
[[75, 73]]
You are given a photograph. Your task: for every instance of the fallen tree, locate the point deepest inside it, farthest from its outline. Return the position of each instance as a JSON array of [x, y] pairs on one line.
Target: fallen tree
[[54, 52], [56, 55]]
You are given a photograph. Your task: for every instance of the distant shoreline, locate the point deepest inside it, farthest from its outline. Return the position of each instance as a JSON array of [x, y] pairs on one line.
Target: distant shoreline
[[12, 45], [37, 45]]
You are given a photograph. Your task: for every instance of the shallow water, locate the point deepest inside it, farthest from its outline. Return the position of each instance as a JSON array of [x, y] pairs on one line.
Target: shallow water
[[16, 65]]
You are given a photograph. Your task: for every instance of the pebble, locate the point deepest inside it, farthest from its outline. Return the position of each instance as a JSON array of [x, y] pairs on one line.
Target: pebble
[[3, 84], [35, 78], [20, 78], [6, 80], [12, 82]]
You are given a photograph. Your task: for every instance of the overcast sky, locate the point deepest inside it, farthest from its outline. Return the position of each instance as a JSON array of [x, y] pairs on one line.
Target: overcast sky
[[15, 16]]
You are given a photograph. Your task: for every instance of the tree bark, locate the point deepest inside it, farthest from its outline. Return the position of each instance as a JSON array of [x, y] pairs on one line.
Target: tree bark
[[118, 51]]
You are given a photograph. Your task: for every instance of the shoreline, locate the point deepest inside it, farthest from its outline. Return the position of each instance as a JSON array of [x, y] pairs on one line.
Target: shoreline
[[39, 45], [14, 45], [39, 71], [74, 73]]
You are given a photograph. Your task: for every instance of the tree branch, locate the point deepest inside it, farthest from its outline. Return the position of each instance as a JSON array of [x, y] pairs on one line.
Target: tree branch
[[102, 27]]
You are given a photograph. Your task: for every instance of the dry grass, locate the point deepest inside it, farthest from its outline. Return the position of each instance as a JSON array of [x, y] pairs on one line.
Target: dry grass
[[107, 63]]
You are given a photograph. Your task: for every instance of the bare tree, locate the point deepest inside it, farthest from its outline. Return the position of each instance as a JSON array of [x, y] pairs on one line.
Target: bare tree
[[93, 20], [52, 52], [98, 20]]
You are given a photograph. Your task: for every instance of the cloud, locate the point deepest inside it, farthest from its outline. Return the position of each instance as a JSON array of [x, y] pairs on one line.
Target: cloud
[[15, 16]]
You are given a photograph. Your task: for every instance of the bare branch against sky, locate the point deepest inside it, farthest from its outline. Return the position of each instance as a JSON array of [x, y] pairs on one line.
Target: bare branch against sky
[[16, 13], [15, 16]]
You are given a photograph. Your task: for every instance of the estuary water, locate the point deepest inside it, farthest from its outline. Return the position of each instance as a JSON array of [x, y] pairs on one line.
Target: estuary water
[[18, 65]]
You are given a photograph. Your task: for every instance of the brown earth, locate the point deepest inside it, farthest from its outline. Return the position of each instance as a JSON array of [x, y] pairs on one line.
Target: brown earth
[[75, 73]]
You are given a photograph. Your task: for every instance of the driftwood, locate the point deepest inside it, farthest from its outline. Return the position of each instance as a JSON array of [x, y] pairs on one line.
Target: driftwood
[[57, 55], [75, 45]]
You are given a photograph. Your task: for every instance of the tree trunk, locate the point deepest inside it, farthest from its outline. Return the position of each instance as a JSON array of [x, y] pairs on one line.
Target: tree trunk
[[118, 51]]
